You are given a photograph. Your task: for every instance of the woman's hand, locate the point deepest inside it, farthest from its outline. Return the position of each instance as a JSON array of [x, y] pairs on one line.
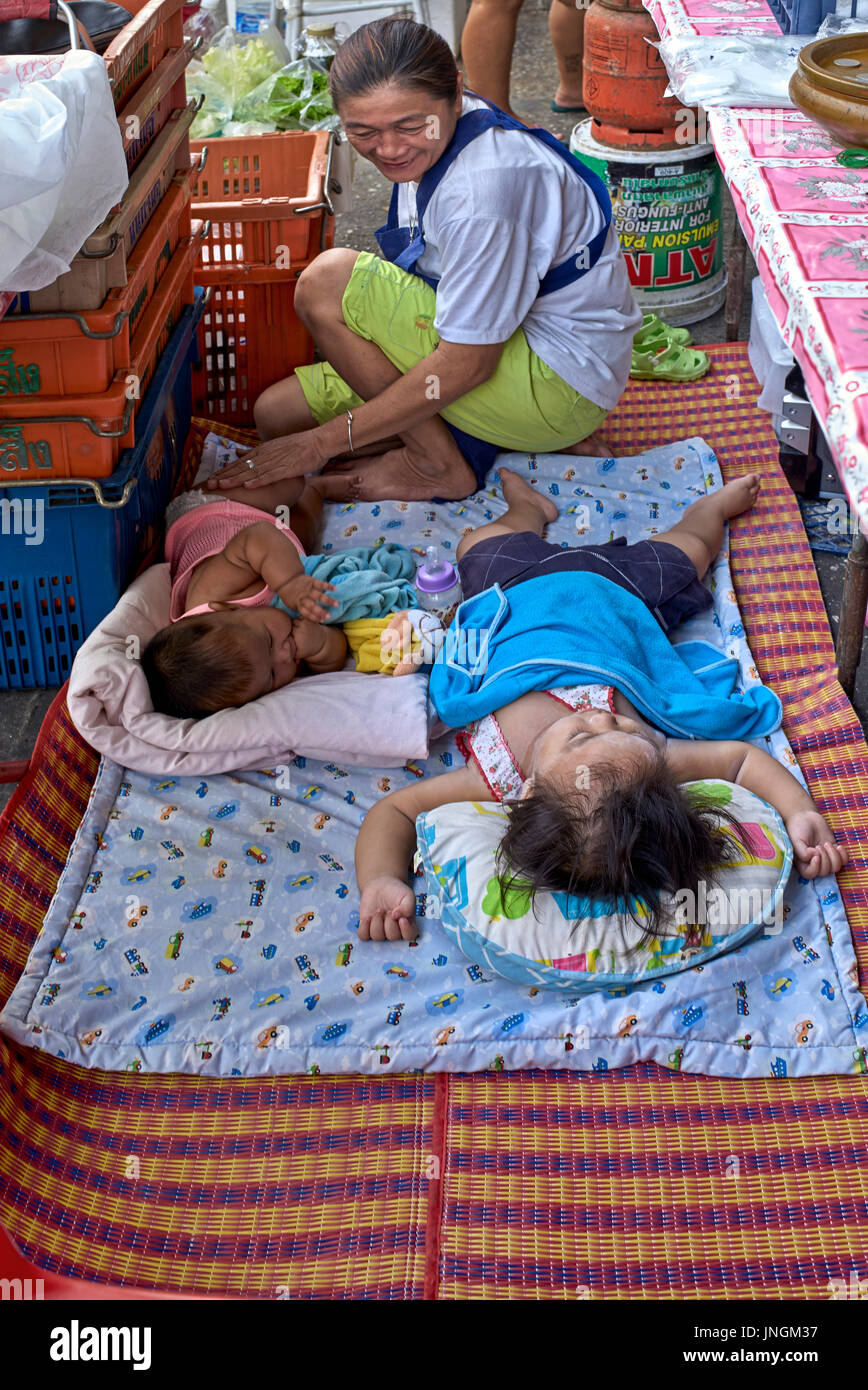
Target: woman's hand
[[388, 911], [290, 456], [814, 849]]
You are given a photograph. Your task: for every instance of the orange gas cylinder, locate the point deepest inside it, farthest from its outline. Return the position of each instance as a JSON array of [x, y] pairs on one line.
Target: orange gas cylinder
[[624, 78]]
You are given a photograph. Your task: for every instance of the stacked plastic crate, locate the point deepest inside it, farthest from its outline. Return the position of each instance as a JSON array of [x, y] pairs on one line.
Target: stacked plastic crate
[[266, 200], [95, 400]]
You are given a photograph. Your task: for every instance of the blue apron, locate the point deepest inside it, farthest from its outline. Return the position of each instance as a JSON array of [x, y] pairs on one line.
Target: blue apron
[[398, 246]]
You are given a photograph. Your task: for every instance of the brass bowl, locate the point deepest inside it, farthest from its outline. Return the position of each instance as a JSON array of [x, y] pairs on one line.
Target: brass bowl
[[830, 85]]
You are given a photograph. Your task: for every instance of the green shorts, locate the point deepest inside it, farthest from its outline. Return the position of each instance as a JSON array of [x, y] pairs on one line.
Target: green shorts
[[523, 406]]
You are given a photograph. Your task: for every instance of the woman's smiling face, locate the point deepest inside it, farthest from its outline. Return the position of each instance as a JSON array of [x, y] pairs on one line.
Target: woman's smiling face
[[399, 129]]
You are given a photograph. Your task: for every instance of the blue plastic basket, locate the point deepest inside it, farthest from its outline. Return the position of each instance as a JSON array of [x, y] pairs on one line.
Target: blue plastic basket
[[806, 16], [55, 588]]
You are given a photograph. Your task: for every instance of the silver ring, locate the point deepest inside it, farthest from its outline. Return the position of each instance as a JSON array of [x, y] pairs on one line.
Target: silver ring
[[250, 463]]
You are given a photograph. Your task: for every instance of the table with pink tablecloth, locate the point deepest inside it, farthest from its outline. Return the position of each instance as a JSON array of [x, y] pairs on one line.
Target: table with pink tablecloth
[[805, 218]]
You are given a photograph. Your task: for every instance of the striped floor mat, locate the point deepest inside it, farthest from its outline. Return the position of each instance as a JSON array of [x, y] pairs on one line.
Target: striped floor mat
[[640, 1183]]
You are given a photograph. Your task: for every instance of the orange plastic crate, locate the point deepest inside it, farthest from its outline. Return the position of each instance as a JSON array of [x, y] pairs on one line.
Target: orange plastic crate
[[43, 438], [146, 112], [267, 199], [75, 354], [88, 282], [249, 337], [167, 156], [156, 27]]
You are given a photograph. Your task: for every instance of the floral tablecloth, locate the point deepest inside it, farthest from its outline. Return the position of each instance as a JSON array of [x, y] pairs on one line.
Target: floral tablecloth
[[805, 219], [711, 17]]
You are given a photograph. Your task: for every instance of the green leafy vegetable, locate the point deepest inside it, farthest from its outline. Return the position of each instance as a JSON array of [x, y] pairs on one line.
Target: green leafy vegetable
[[241, 68]]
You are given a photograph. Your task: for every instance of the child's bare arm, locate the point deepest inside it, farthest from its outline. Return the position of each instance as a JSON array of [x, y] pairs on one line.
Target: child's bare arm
[[385, 847], [814, 847], [331, 652], [262, 550]]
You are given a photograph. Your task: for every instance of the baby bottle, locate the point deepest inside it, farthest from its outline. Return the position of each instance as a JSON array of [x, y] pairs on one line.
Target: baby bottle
[[437, 585]]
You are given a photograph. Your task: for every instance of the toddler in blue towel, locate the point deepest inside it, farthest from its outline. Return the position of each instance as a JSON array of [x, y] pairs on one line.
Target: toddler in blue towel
[[594, 792]]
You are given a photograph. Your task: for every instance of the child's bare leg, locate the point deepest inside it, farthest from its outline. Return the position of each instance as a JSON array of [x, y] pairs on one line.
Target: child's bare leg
[[528, 510], [699, 533], [306, 514], [298, 501], [285, 493]]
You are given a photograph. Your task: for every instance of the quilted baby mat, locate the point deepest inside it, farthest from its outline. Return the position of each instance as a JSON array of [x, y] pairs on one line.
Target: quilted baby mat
[[210, 925]]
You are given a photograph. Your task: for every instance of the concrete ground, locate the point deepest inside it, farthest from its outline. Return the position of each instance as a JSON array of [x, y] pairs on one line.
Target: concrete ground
[[534, 79]]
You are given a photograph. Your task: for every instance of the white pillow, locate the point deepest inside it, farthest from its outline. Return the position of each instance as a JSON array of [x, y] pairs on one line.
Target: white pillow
[[362, 720], [555, 943]]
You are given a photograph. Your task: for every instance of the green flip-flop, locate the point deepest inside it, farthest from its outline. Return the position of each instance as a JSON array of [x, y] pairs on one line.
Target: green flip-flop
[[671, 363], [569, 110], [655, 334]]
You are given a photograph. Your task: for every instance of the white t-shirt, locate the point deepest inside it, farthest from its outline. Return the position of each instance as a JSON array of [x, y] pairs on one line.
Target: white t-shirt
[[506, 211]]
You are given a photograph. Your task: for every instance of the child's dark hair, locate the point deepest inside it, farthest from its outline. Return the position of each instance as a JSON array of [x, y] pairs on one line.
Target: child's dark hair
[[633, 837], [196, 667], [394, 50]]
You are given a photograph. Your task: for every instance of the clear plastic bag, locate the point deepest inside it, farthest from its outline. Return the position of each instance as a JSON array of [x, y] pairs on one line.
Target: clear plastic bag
[[296, 98], [233, 129], [216, 108], [231, 67], [62, 163], [835, 24], [206, 21], [754, 70]]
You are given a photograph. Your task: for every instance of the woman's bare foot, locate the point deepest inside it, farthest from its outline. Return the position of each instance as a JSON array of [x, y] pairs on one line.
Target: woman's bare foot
[[518, 492], [594, 446], [399, 475], [340, 463], [336, 487]]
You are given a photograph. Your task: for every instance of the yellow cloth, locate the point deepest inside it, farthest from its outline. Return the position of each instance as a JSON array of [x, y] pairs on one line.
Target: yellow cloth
[[363, 636]]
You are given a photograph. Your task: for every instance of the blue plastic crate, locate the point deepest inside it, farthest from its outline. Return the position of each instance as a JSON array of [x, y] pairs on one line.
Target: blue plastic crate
[[56, 587], [806, 16]]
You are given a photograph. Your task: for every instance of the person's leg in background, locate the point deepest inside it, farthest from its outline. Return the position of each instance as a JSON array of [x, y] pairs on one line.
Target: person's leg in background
[[488, 39], [486, 49], [567, 30]]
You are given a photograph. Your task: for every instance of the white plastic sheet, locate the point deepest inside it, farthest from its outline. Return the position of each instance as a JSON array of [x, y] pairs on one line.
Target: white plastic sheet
[[62, 164], [730, 71]]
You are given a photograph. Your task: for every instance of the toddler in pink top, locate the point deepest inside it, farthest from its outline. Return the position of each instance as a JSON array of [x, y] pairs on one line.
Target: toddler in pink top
[[230, 560]]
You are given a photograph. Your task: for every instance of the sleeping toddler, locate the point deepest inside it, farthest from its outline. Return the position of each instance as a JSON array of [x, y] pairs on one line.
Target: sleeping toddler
[[235, 569], [593, 791]]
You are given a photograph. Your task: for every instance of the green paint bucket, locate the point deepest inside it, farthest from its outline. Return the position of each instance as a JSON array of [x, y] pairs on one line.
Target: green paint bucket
[[666, 207]]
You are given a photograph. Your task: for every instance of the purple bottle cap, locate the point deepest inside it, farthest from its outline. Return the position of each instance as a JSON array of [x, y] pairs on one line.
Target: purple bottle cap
[[436, 574]]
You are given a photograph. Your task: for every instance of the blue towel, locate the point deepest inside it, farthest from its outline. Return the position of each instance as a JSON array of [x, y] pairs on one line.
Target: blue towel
[[370, 581], [567, 628]]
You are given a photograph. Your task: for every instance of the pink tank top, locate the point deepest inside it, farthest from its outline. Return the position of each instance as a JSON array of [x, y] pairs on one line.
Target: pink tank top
[[203, 532]]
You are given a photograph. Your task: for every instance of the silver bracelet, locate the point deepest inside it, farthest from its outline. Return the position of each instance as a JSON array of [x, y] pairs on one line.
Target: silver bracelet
[[350, 429]]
